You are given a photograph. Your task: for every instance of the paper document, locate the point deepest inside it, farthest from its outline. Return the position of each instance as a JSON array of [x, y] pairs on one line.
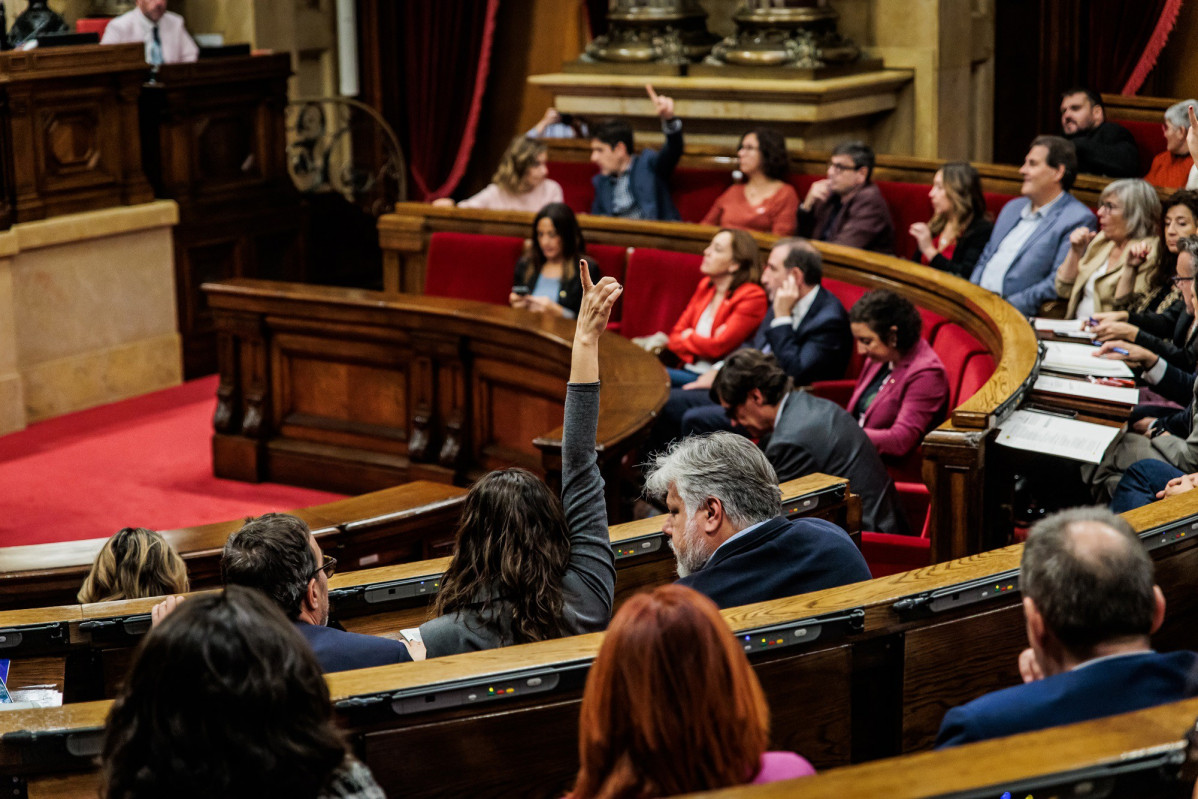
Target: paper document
[[1062, 327], [1078, 359], [1090, 391], [1053, 435]]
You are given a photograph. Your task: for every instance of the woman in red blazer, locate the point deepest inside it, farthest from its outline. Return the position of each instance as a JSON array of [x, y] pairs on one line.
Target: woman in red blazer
[[902, 392], [724, 311]]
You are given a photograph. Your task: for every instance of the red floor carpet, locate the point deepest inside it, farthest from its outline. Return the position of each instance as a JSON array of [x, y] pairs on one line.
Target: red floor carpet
[[144, 462]]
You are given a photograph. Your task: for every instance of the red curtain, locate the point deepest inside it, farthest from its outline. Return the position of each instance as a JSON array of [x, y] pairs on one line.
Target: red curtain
[[1125, 39], [445, 57]]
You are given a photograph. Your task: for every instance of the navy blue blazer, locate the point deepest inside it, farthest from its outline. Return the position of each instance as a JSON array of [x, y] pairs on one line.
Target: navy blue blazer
[[818, 349], [338, 650], [649, 182], [1105, 688], [1028, 284], [778, 559]]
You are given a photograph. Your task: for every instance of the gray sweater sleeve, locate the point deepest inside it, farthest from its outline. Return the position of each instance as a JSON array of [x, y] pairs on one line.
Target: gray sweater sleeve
[[590, 581]]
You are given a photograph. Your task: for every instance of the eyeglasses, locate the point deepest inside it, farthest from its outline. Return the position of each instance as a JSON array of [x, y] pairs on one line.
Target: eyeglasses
[[842, 167], [329, 567], [1180, 279], [1111, 208]]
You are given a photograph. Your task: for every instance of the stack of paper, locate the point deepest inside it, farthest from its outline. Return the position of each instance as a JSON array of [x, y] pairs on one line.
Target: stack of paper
[[1054, 435], [1072, 328], [1078, 359], [1085, 390]]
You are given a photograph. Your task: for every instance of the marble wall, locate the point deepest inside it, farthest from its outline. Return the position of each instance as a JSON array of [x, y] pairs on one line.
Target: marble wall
[[87, 311]]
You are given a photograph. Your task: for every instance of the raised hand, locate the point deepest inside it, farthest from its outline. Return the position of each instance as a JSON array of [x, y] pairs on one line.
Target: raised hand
[[922, 235], [663, 105], [1080, 239], [597, 301], [1192, 136], [818, 192], [1137, 254]]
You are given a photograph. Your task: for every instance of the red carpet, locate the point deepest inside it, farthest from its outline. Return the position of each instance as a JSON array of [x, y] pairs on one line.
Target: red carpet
[[144, 462]]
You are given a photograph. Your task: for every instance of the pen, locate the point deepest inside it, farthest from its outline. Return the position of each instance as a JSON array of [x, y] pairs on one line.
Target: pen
[[1120, 350]]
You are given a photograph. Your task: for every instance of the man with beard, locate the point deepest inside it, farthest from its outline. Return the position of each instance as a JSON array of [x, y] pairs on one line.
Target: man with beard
[[725, 526]]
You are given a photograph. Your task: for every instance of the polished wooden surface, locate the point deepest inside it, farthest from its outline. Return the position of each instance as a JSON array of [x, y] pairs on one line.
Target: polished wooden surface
[[954, 454], [404, 522], [441, 389], [69, 131]]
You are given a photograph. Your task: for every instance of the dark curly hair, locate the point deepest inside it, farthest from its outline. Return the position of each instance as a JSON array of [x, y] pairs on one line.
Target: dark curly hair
[[513, 546], [775, 162], [881, 310], [224, 698]]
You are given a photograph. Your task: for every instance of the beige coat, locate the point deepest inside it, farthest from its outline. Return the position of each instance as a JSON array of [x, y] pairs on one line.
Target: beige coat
[[1104, 288]]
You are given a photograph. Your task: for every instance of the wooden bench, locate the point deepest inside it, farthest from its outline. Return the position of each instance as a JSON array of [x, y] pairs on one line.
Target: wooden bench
[[870, 672]]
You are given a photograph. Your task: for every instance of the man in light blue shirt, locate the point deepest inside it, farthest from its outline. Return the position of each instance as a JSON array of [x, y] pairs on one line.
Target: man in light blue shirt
[[1031, 235]]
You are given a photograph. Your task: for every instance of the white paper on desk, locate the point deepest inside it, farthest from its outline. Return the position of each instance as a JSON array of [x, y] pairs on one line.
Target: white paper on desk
[[1091, 391], [1061, 327], [1054, 435], [1078, 359]]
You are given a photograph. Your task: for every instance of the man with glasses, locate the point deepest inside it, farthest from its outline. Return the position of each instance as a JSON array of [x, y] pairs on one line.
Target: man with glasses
[[278, 555], [845, 207]]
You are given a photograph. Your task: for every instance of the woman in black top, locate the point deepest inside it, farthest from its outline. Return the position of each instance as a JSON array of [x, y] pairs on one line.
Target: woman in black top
[[547, 278], [960, 227]]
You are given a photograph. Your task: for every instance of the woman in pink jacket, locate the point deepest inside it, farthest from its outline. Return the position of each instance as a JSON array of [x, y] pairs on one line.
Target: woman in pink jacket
[[902, 392]]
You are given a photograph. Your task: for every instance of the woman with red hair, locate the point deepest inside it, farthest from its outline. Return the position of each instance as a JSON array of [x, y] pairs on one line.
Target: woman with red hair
[[672, 706]]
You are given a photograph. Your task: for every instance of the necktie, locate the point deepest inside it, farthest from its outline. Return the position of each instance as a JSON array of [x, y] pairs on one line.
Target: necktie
[[155, 47]]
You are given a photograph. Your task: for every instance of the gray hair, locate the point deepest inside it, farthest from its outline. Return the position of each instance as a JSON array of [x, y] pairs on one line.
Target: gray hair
[[724, 466], [1141, 206], [1093, 594], [1189, 245], [1177, 114]]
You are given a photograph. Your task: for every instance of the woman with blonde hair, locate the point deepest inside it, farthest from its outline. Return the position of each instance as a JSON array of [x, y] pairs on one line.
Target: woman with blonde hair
[[521, 183], [672, 706], [133, 564], [959, 229]]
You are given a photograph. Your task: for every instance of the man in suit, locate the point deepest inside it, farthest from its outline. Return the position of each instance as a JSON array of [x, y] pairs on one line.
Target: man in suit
[[278, 555], [727, 532], [1103, 148], [803, 434], [636, 186], [806, 328], [163, 33], [1090, 606], [1031, 235], [845, 207]]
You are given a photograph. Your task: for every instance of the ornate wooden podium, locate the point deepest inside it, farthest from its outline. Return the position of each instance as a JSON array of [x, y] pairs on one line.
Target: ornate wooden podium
[[213, 140], [68, 131]]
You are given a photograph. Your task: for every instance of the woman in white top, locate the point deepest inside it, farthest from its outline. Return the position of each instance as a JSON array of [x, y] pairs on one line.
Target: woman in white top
[[1108, 270], [521, 183]]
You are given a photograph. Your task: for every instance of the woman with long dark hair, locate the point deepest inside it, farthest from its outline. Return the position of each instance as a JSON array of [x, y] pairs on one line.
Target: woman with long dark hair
[[225, 699], [954, 238], [672, 706], [527, 566], [547, 278]]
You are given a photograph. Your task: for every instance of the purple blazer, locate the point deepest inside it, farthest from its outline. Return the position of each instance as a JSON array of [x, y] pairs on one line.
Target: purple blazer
[[909, 403]]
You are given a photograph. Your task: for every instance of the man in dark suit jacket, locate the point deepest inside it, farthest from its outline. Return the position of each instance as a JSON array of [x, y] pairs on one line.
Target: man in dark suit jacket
[[1031, 234], [278, 555], [806, 329], [636, 186], [802, 434], [1103, 148], [727, 532], [846, 208], [1090, 606]]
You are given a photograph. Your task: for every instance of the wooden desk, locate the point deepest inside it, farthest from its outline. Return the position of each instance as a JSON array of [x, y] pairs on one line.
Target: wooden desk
[[68, 131]]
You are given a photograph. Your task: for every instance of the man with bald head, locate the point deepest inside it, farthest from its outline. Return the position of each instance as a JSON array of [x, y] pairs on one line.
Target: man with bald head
[[163, 33], [1090, 605]]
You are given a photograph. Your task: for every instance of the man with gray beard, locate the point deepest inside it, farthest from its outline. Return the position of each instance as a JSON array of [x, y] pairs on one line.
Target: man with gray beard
[[725, 526]]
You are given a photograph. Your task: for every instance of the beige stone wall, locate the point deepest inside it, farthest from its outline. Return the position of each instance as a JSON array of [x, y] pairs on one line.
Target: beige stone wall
[[87, 311]]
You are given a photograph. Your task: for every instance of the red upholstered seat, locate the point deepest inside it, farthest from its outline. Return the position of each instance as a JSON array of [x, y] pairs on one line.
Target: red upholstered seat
[[469, 266], [956, 348], [908, 203], [94, 25], [657, 286], [995, 202], [978, 370], [1150, 140], [695, 191], [886, 553], [802, 183], [575, 177]]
